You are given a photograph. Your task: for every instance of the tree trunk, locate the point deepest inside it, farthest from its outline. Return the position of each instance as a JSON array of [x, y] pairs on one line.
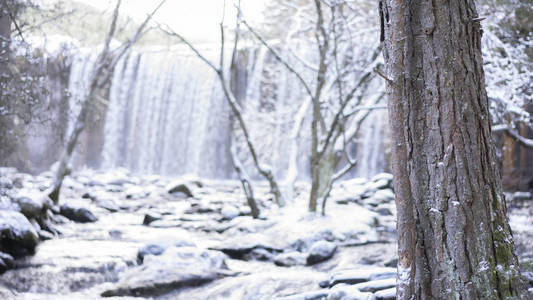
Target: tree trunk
[[454, 238]]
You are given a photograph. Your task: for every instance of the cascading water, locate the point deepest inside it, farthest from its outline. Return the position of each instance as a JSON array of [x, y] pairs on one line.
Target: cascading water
[[166, 115]]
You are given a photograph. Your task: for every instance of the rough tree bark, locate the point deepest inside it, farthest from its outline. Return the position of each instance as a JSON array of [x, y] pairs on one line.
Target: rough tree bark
[[453, 234]]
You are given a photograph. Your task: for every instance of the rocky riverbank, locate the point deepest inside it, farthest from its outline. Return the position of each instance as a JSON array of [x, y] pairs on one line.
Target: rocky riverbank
[[119, 235]]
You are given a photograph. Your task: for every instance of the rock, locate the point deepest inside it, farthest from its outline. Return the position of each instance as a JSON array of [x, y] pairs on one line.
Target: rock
[[176, 268], [314, 295], [259, 254], [137, 192], [376, 285], [388, 294], [383, 211], [6, 183], [7, 204], [77, 214], [33, 203], [383, 196], [290, 259], [373, 186], [348, 292], [520, 196], [45, 235], [177, 187], [238, 247], [150, 217], [157, 248], [303, 244], [151, 249], [383, 176], [321, 251], [230, 212], [361, 275], [393, 263], [17, 235], [6, 262], [528, 278]]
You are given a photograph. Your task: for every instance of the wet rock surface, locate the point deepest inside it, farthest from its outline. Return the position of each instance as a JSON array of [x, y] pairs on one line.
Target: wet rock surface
[[118, 235]]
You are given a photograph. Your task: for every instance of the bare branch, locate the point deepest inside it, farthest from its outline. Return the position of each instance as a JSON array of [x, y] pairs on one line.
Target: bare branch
[[278, 57]]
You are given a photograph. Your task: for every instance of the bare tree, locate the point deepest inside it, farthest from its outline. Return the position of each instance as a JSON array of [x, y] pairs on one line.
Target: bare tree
[[236, 109], [100, 75], [338, 96], [454, 237]]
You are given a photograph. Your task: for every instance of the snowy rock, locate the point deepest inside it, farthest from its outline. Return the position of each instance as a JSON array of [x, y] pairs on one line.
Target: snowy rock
[[6, 183], [376, 285], [32, 203], [158, 247], [519, 196], [77, 213], [137, 192], [314, 295], [383, 176], [259, 254], [240, 246], [7, 204], [383, 196], [229, 212], [388, 294], [321, 251], [150, 217], [102, 199], [176, 268], [17, 235], [179, 189], [348, 292], [361, 275], [289, 259], [6, 262]]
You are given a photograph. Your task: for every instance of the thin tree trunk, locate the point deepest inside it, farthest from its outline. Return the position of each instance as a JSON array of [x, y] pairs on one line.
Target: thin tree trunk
[[99, 77], [454, 238]]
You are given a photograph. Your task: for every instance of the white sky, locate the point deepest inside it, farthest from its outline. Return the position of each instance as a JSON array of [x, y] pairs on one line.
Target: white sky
[[195, 19]]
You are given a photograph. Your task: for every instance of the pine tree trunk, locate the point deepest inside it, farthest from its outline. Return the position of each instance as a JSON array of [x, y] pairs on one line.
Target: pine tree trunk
[[453, 234]]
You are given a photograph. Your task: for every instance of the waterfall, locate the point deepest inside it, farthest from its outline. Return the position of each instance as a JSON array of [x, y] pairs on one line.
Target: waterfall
[[166, 115]]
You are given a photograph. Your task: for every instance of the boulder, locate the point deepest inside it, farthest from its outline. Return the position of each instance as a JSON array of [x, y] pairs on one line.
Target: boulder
[[180, 189], [239, 247], [321, 251], [6, 183], [32, 203], [521, 196], [388, 294], [361, 275], [376, 285], [6, 262], [383, 196], [150, 217], [17, 235], [77, 213], [229, 212], [348, 292], [158, 247], [176, 268], [290, 259]]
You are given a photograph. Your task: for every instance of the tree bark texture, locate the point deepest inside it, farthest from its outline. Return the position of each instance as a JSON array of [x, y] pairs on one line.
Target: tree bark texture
[[453, 233]]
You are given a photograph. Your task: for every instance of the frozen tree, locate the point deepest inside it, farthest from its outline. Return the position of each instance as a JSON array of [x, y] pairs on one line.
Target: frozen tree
[[453, 234], [99, 76], [225, 81], [338, 80], [21, 80]]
